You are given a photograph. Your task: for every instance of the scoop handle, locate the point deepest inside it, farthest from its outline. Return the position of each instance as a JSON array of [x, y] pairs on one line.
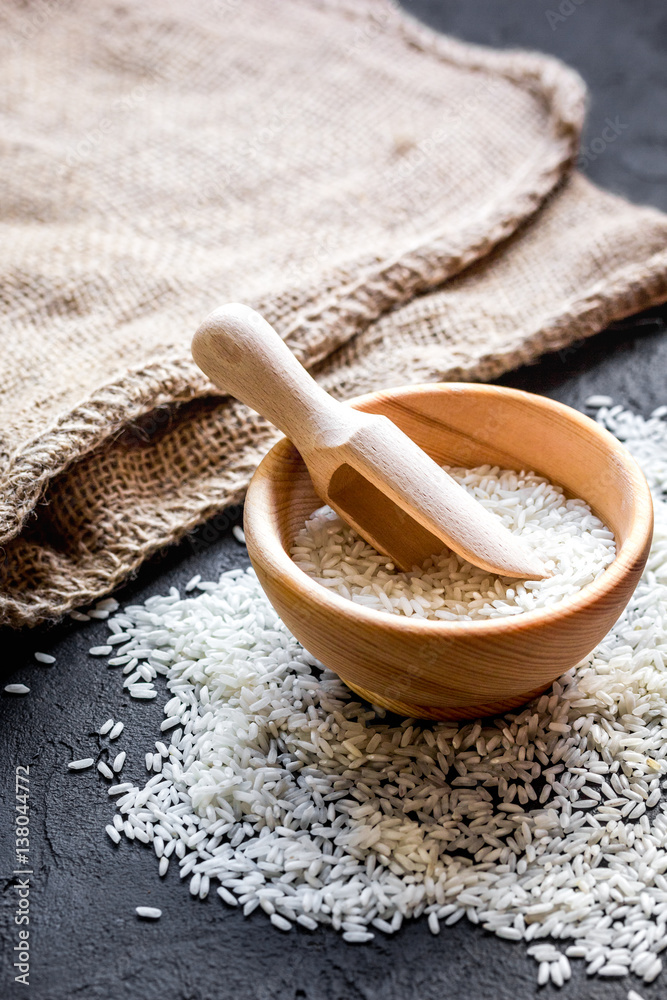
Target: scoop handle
[[247, 358]]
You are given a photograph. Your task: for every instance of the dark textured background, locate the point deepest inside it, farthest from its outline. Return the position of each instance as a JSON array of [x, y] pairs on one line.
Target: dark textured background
[[85, 938]]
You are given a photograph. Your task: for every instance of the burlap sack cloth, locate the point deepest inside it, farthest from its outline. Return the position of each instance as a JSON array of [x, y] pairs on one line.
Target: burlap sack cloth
[[400, 205]]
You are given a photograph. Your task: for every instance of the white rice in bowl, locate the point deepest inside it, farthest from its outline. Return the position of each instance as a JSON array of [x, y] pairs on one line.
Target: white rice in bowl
[[574, 544]]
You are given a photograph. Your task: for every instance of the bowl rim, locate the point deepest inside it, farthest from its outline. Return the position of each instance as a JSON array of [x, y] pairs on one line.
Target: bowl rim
[[281, 565]]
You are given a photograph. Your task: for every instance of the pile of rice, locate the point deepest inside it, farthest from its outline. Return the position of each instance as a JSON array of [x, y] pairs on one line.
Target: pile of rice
[[575, 546], [275, 786]]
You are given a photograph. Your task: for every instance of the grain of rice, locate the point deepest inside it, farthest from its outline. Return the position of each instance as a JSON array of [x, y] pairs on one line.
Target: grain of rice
[[238, 534], [100, 650], [17, 689], [81, 765], [104, 729], [120, 789], [148, 912], [653, 970], [173, 720], [141, 693], [595, 402], [119, 637], [116, 730], [613, 969], [228, 897], [565, 967], [79, 616], [118, 761], [556, 974], [105, 770], [107, 604], [113, 833], [46, 658]]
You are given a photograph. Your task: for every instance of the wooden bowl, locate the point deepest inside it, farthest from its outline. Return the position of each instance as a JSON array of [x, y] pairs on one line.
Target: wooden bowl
[[441, 669]]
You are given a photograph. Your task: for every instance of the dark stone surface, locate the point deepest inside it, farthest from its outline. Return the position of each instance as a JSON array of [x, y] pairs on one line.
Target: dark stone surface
[[617, 46], [85, 939]]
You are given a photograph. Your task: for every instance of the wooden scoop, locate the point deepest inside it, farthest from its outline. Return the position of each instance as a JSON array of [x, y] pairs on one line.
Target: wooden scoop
[[372, 474]]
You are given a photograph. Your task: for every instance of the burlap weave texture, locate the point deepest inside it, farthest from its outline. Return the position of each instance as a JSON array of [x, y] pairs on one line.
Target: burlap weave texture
[[400, 205]]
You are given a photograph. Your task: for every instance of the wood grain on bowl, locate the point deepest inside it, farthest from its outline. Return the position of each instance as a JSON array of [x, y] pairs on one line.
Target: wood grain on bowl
[[441, 669]]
